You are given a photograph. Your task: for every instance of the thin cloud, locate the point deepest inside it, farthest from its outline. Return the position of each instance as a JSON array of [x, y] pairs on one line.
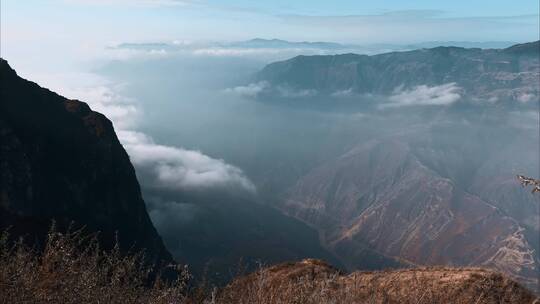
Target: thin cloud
[[121, 110], [526, 97], [235, 52], [225, 49], [176, 168], [250, 90], [417, 26], [162, 166], [288, 92], [146, 3], [424, 95], [256, 89], [343, 93]]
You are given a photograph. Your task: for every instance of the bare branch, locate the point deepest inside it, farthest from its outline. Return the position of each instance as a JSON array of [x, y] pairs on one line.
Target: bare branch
[[528, 181]]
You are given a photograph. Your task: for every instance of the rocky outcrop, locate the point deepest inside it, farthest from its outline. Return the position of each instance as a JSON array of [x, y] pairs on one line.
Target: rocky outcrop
[[61, 161]]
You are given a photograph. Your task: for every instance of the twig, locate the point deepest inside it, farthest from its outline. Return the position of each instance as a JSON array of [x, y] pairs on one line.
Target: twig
[[527, 181]]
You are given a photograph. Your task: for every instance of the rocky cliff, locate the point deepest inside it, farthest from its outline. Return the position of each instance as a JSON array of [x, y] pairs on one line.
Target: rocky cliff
[[61, 161]]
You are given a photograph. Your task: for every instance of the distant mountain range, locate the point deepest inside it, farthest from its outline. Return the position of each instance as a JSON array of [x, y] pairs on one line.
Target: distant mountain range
[[509, 74], [313, 46], [279, 43]]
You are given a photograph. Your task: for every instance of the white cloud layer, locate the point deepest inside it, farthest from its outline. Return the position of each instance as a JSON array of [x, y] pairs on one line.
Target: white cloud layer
[[264, 50], [424, 95], [254, 90], [288, 92], [164, 166], [176, 168], [343, 93], [236, 52], [250, 90]]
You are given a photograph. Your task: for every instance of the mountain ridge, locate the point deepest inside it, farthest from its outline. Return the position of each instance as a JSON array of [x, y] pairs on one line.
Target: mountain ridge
[[494, 74]]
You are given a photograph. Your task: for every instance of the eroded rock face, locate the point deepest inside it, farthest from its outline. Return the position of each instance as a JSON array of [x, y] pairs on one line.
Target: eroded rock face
[[61, 161], [380, 197], [313, 281]]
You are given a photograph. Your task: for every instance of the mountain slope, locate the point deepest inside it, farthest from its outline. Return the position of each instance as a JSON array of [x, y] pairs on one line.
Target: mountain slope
[[506, 74], [381, 196], [425, 185], [61, 161]]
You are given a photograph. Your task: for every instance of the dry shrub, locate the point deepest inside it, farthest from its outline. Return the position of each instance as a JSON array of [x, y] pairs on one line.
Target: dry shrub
[[313, 282], [73, 269]]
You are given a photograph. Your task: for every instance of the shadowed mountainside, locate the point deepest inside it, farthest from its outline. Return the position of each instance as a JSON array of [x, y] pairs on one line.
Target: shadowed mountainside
[[61, 161]]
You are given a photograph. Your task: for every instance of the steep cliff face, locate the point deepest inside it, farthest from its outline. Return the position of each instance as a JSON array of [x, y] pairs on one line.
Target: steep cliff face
[[61, 161]]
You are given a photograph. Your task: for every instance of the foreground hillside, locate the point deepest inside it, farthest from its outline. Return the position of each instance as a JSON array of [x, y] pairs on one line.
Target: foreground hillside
[[313, 281], [68, 273]]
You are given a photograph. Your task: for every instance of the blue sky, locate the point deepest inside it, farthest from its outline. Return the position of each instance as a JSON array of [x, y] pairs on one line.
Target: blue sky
[[351, 7], [33, 29], [343, 21]]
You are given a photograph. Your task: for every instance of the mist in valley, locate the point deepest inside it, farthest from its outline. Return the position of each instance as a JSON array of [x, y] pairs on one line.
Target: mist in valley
[[266, 151], [220, 154]]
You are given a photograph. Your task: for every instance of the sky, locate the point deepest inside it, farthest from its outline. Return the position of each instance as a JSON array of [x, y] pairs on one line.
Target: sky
[[386, 21], [80, 29]]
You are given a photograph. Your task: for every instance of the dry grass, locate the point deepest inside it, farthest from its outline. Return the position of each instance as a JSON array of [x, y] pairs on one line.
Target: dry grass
[[528, 181], [73, 269], [313, 282]]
